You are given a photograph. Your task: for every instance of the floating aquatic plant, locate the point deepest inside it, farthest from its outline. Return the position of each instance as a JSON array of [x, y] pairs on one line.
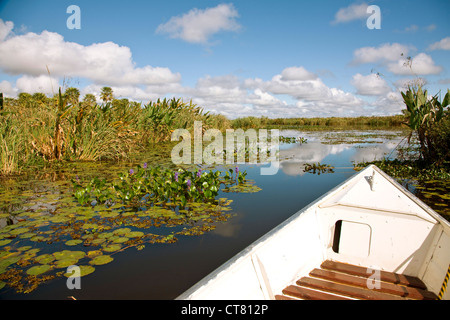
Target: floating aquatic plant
[[293, 139], [150, 205], [318, 168], [151, 185]]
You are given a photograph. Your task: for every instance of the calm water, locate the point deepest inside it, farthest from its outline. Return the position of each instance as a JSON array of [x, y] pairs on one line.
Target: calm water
[[164, 271]]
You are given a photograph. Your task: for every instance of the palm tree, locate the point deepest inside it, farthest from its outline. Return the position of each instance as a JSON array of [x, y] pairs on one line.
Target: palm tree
[[89, 99], [106, 94], [72, 95]]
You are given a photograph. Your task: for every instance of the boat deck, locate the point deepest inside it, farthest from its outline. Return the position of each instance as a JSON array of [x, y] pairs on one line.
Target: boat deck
[[340, 281]]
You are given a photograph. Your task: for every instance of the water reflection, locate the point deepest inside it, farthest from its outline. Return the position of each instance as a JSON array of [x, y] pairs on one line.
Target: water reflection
[[320, 147], [292, 160]]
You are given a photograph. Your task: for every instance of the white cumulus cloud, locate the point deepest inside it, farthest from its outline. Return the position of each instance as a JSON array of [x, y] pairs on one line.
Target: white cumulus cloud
[[350, 13], [421, 64], [444, 44], [43, 83], [382, 53], [5, 29], [297, 73], [370, 85], [197, 26], [102, 63]]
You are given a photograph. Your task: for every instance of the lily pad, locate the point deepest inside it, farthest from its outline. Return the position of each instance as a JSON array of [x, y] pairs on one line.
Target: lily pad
[[27, 235], [84, 271], [102, 259], [122, 231], [24, 248], [19, 231], [64, 263], [112, 247], [120, 240], [66, 254], [110, 214], [90, 226], [73, 242], [135, 234], [243, 188], [44, 258], [105, 235], [94, 253], [37, 270], [98, 241], [4, 242], [59, 219], [37, 238], [9, 261]]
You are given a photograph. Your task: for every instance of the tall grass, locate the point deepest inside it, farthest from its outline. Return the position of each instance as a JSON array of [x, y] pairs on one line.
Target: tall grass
[[10, 146], [35, 128]]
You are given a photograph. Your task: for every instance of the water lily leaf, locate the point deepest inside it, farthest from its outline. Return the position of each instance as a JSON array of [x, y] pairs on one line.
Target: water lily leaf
[[98, 241], [37, 238], [59, 219], [73, 242], [122, 231], [64, 263], [94, 253], [90, 226], [120, 240], [135, 234], [84, 271], [246, 187], [4, 242], [32, 251], [65, 254], [27, 235], [110, 214], [105, 235], [19, 231], [37, 270], [100, 260], [9, 261], [112, 247], [25, 248], [44, 258], [441, 204]]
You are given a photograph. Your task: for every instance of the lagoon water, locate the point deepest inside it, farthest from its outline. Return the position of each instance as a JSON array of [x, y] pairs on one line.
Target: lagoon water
[[165, 270]]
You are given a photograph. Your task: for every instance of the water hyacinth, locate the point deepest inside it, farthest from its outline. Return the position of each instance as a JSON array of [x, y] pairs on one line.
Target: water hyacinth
[[151, 185]]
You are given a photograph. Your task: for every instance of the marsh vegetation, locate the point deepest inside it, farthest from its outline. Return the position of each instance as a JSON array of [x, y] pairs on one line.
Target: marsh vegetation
[[92, 184]]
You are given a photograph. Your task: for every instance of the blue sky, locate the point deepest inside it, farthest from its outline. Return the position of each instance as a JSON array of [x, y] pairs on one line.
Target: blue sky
[[239, 58]]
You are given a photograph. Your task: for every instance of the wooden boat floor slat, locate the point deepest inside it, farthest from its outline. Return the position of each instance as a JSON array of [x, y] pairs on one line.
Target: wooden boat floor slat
[[335, 280]]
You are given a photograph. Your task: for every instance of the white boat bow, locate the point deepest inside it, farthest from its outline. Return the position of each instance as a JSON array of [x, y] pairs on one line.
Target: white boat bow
[[369, 222]]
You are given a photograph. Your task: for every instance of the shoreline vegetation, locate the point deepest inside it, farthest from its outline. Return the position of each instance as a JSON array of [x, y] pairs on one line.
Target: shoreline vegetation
[[36, 129], [330, 123]]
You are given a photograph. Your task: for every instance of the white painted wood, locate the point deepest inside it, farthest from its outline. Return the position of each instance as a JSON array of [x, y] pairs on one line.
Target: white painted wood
[[355, 239], [385, 227]]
